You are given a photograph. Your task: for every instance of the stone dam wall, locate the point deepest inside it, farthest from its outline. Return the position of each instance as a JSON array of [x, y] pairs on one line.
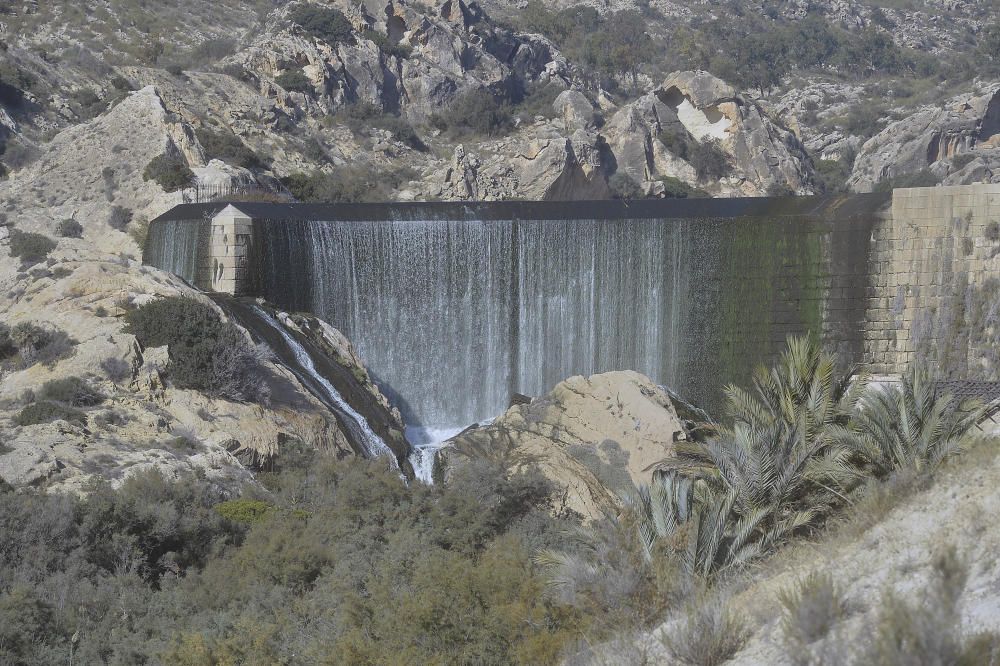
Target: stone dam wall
[[456, 306]]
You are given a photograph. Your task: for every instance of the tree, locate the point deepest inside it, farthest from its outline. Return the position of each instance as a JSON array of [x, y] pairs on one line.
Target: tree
[[908, 426]]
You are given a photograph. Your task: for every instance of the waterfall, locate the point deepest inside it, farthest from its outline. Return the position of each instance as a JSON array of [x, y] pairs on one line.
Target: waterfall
[[455, 307], [360, 429], [453, 316], [174, 245]]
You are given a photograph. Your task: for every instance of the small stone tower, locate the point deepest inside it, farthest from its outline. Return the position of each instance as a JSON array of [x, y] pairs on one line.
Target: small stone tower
[[229, 246]]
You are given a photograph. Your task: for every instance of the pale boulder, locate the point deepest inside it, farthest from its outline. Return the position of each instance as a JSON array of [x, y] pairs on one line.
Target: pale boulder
[[594, 437]]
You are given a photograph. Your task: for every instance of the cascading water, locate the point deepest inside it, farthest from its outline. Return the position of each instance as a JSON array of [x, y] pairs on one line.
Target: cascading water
[[174, 246], [454, 307], [360, 429], [453, 316]]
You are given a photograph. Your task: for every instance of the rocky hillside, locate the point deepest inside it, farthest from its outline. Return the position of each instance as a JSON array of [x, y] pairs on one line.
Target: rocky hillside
[[79, 395], [341, 101]]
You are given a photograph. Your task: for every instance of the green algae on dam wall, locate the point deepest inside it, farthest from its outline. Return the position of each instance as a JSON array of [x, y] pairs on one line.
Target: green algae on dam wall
[[456, 306]]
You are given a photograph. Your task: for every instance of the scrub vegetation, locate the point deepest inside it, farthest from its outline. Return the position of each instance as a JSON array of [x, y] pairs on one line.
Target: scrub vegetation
[[343, 561]]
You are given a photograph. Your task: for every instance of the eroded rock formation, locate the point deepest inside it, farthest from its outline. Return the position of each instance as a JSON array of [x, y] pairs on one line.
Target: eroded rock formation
[[594, 437]]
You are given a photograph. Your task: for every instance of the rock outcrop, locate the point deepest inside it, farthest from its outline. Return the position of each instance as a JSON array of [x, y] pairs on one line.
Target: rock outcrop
[[594, 437], [82, 289], [957, 144]]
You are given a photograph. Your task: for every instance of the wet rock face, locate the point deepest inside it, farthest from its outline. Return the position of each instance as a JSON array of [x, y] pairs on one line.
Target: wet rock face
[[956, 143], [594, 437]]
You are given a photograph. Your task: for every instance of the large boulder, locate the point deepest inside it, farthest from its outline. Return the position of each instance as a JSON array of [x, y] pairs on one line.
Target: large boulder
[[941, 140], [593, 437]]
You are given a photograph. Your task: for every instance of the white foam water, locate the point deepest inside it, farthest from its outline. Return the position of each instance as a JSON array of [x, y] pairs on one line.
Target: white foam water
[[425, 443], [373, 444]]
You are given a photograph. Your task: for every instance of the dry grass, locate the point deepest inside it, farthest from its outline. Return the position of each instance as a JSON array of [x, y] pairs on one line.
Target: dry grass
[[811, 609], [708, 633]]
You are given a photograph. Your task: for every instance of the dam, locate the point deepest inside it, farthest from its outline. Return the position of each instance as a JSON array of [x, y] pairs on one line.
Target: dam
[[455, 307]]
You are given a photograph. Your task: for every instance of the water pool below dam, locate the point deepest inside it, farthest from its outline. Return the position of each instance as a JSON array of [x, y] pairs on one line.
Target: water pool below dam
[[455, 307]]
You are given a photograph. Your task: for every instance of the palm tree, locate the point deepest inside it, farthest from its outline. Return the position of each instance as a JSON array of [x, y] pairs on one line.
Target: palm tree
[[786, 458], [906, 426], [692, 513]]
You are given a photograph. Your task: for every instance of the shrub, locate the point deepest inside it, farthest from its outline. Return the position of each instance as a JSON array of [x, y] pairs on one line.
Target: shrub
[[623, 186], [708, 159], [475, 113], [138, 230], [70, 229], [708, 634], [116, 369], [811, 609], [121, 84], [30, 247], [46, 412], [244, 511], [28, 337], [119, 218], [73, 391], [169, 172], [294, 80], [922, 178], [677, 142], [345, 185], [675, 188], [206, 354], [325, 23], [398, 50], [992, 232], [7, 345], [110, 418], [18, 155], [929, 631], [34, 344], [227, 147], [403, 132]]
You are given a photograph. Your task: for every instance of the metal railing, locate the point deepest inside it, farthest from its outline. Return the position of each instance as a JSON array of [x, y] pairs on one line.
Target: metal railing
[[236, 192]]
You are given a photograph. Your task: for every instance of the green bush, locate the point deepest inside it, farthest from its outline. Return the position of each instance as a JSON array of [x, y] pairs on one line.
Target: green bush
[[346, 184], [246, 511], [37, 345], [474, 113], [708, 159], [70, 229], [675, 188], [169, 172], [392, 573], [46, 412], [227, 147], [623, 186], [7, 346], [325, 23], [922, 178], [73, 391], [395, 49], [119, 218], [206, 354], [30, 247], [295, 80]]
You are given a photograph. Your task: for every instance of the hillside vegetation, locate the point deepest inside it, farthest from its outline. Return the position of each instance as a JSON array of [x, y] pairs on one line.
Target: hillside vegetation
[[342, 562]]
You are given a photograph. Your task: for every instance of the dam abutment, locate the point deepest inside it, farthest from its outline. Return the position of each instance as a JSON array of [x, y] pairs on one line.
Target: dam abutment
[[456, 306]]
